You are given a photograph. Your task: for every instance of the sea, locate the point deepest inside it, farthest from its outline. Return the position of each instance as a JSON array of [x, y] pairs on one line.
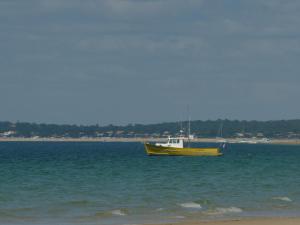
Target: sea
[[89, 183]]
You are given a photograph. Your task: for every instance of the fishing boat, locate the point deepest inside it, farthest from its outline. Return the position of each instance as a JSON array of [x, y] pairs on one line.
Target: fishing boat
[[175, 147]]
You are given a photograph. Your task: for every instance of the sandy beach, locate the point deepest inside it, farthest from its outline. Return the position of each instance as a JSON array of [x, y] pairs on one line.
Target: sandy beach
[[267, 221]]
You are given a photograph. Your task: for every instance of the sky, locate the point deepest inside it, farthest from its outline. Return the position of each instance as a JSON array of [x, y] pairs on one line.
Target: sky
[[145, 61]]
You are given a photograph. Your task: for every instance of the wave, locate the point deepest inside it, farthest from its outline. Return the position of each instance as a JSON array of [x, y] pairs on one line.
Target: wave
[[221, 211], [179, 217], [191, 205], [79, 203], [118, 212], [107, 214], [229, 210], [285, 199], [102, 214]]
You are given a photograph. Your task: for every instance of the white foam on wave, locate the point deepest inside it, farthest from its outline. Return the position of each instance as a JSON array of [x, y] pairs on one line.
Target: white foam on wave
[[229, 210], [118, 212], [179, 217], [285, 199], [191, 205]]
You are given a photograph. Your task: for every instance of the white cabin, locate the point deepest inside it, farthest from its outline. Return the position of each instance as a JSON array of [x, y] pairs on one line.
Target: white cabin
[[176, 142]]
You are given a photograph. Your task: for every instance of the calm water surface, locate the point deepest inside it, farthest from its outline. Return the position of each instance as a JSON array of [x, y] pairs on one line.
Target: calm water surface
[[116, 183]]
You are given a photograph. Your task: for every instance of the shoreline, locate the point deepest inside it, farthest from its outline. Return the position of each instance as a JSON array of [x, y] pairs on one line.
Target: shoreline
[[246, 221], [196, 140]]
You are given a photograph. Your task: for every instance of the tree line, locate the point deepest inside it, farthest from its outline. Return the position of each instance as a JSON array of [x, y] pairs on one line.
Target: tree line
[[208, 128]]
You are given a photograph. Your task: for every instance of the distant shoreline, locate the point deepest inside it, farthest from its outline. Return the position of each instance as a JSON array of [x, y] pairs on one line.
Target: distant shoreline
[[113, 139]]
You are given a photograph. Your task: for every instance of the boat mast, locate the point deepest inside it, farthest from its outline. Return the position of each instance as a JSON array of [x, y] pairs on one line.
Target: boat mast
[[189, 125], [222, 129], [220, 134]]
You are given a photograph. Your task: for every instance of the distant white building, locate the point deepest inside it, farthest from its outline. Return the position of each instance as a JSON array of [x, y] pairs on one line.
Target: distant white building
[[7, 133]]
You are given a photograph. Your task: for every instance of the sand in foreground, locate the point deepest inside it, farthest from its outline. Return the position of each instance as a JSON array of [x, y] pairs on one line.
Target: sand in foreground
[[272, 221]]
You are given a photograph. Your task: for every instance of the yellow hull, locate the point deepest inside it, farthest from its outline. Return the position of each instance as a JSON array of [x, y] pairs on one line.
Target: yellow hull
[[159, 150]]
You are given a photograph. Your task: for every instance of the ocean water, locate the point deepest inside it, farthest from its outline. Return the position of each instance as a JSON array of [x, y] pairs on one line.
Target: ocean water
[[116, 183]]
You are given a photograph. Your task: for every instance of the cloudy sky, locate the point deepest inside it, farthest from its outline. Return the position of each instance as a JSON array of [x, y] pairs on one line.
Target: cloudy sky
[[144, 61]]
